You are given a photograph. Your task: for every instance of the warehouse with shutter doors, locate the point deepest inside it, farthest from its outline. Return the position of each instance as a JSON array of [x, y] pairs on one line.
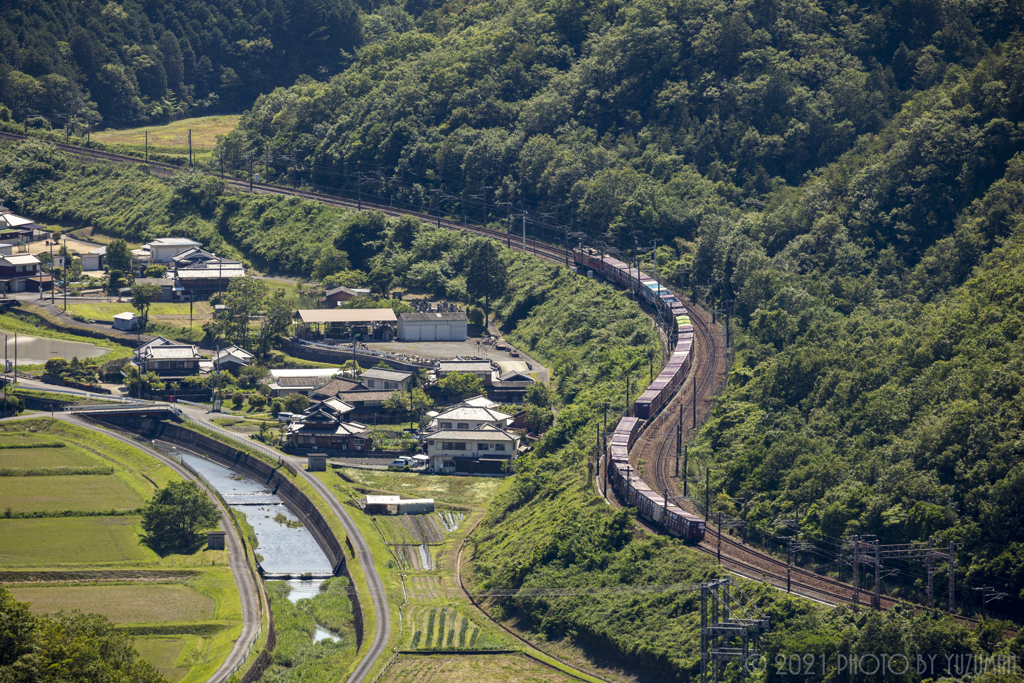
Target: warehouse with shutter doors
[[433, 326]]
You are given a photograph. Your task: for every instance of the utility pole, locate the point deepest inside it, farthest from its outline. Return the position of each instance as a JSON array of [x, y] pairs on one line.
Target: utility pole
[[524, 231], [220, 157], [856, 570], [686, 471], [693, 385], [707, 492], [65, 259], [607, 463], [928, 563], [878, 578], [191, 161], [248, 158], [789, 565], [147, 146], [627, 394], [952, 577], [719, 537], [53, 286], [295, 175]]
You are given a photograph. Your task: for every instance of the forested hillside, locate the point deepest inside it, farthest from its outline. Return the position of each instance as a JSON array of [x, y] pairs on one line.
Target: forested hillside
[[834, 174], [132, 62]]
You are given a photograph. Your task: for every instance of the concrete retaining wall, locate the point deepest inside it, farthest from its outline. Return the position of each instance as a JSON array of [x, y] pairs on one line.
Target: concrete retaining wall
[[341, 354]]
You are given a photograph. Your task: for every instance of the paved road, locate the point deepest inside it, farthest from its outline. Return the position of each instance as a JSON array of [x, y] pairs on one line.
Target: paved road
[[382, 634], [247, 589]]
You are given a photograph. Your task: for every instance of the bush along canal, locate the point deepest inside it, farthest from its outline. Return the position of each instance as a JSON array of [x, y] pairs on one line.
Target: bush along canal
[[312, 611]]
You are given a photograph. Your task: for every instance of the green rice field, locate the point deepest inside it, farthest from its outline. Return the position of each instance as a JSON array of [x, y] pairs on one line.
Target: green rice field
[[99, 563], [30, 458], [89, 492], [135, 604], [58, 541], [163, 653]]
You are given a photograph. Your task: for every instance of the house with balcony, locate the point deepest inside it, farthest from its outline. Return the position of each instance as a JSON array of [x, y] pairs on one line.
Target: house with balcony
[[485, 451], [168, 359]]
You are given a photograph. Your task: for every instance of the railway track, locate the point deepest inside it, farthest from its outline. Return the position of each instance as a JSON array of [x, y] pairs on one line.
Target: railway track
[[735, 556], [533, 246]]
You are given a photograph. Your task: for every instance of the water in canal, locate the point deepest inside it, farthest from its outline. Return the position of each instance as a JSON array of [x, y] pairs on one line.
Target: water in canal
[[37, 350], [285, 550]]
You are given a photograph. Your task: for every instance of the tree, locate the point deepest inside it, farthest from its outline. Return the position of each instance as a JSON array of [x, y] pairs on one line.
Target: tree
[[538, 419], [155, 270], [538, 394], [68, 646], [245, 300], [381, 278], [296, 403], [398, 402], [487, 272], [115, 281], [461, 384], [119, 256], [175, 516], [277, 319], [143, 296]]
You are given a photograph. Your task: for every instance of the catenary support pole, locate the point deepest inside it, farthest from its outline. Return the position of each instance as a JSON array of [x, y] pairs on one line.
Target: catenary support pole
[[952, 577], [878, 578], [686, 471], [931, 577]]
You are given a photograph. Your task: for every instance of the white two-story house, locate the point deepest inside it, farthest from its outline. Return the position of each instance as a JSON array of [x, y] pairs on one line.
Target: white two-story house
[[487, 450]]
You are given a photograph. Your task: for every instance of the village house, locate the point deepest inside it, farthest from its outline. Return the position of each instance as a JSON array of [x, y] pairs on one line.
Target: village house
[[300, 381], [160, 251], [19, 273], [169, 359], [481, 368], [94, 260], [336, 386], [322, 427], [487, 450], [465, 416], [338, 295], [377, 379]]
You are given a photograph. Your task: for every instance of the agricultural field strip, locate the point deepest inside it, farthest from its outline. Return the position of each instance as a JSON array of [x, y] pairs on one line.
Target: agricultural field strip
[[233, 648]]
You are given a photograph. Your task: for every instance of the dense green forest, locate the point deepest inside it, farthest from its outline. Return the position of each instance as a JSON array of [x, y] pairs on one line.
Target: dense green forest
[[86, 61], [846, 180]]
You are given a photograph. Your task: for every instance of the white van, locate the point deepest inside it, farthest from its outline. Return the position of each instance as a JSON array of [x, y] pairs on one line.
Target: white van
[[397, 464]]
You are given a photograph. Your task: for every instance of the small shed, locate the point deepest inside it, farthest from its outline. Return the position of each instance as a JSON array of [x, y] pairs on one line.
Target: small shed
[[380, 505], [316, 462], [416, 506], [215, 540], [127, 321]]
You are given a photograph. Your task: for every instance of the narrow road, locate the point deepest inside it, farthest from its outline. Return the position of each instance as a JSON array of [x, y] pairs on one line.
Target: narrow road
[[375, 586], [247, 589]]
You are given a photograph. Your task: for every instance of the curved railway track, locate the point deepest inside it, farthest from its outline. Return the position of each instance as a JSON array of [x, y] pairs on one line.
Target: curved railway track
[[533, 246], [735, 556]]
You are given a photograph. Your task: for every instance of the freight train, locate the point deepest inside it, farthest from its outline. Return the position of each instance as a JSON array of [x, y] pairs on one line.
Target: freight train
[[653, 506]]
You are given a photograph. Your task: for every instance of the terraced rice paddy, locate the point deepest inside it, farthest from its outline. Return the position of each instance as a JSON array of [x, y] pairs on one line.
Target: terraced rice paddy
[[445, 668]]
